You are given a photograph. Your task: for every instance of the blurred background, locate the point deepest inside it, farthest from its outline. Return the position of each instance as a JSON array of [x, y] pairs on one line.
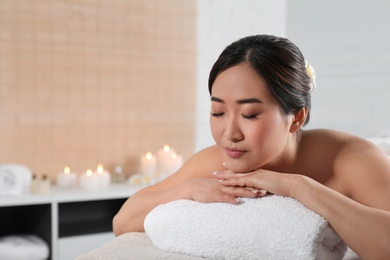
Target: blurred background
[[87, 82]]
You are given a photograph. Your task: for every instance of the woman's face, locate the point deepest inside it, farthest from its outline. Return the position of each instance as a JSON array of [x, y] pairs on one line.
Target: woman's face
[[246, 120]]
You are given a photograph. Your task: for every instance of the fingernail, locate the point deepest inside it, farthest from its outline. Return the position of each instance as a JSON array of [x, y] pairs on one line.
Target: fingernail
[[224, 164], [262, 192], [215, 173], [237, 199], [255, 191]]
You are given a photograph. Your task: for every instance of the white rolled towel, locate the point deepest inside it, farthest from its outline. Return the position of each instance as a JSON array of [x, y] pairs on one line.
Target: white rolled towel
[[272, 227], [14, 179], [23, 247]]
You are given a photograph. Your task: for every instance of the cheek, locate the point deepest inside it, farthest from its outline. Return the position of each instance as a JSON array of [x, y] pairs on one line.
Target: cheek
[[215, 129], [270, 132]]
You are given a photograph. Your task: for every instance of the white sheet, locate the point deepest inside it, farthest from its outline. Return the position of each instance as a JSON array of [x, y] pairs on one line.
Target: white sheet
[[135, 245]]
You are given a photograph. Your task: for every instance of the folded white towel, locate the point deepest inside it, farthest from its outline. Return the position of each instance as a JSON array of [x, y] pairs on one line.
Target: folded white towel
[[23, 247], [14, 179], [272, 227]]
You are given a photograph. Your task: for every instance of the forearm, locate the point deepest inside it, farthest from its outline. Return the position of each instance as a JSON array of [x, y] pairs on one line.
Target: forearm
[[366, 230], [131, 216]]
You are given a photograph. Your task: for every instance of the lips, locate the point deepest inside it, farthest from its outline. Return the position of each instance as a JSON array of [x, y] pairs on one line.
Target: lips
[[234, 152]]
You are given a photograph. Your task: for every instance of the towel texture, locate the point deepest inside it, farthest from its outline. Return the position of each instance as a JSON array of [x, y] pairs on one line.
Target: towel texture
[[23, 247], [14, 179], [271, 227]]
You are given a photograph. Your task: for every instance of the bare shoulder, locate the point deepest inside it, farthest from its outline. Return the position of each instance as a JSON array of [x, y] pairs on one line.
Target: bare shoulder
[[204, 162], [200, 165], [341, 145], [359, 166]]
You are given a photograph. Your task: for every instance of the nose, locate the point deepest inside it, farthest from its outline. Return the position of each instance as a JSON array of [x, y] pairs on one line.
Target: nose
[[233, 132]]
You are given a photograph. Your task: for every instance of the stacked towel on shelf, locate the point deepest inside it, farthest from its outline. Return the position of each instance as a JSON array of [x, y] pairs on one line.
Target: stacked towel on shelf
[[14, 179], [23, 247], [271, 227]]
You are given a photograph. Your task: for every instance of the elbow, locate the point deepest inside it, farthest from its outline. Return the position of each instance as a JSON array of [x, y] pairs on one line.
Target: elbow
[[116, 226], [121, 225]]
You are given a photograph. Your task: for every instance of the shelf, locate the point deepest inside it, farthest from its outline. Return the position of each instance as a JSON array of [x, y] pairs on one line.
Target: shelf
[[67, 215], [30, 219], [87, 217], [59, 195]]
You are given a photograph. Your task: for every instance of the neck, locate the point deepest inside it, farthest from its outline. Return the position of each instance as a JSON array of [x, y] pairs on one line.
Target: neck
[[287, 161]]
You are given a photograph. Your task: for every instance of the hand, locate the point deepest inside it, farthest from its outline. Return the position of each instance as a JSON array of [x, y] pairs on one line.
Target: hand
[[211, 190], [262, 180]]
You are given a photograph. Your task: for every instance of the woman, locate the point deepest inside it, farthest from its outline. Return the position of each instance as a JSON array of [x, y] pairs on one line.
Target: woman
[[260, 100]]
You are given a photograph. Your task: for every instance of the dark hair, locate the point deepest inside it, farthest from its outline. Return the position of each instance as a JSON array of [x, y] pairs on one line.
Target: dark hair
[[278, 61]]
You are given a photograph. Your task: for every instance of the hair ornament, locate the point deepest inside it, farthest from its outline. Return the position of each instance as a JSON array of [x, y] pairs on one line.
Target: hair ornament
[[312, 75]]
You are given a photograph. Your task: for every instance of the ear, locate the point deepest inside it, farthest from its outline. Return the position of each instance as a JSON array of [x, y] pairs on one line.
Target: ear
[[299, 120]]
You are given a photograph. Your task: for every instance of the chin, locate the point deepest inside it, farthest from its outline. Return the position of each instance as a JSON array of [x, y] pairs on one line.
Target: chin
[[239, 167]]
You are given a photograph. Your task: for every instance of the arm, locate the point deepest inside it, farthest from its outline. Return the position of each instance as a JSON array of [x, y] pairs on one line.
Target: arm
[[365, 229], [363, 220], [193, 181]]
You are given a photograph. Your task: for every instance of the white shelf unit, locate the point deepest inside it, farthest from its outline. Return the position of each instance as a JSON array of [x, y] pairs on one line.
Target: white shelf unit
[[65, 217]]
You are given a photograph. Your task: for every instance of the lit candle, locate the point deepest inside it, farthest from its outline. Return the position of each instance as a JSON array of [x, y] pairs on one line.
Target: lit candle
[[103, 176], [148, 164], [89, 181], [164, 158], [66, 178]]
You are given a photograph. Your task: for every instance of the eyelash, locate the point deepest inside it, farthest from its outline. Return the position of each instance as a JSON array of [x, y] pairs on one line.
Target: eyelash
[[250, 116], [216, 114], [242, 115]]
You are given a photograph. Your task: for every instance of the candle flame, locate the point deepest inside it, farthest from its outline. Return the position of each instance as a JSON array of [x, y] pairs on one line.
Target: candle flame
[[149, 156], [66, 170], [100, 169], [166, 148], [89, 172], [173, 155]]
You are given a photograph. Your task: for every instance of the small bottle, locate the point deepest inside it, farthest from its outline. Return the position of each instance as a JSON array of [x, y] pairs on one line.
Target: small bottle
[[118, 175], [34, 184], [44, 185]]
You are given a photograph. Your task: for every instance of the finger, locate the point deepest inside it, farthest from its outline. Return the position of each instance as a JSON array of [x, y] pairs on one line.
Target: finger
[[225, 197], [232, 181], [254, 190], [227, 175], [241, 192], [261, 193], [224, 165]]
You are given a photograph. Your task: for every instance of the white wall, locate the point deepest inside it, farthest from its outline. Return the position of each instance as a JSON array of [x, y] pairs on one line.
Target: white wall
[[346, 41], [221, 22], [348, 44]]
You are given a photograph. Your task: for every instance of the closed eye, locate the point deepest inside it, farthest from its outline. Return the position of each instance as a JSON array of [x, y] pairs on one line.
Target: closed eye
[[249, 116], [216, 114]]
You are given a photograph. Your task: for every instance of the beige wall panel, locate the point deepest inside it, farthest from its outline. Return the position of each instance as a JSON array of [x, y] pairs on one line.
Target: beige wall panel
[[87, 82]]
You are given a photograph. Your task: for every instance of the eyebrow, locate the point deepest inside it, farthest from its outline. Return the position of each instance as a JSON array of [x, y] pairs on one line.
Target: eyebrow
[[240, 101]]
